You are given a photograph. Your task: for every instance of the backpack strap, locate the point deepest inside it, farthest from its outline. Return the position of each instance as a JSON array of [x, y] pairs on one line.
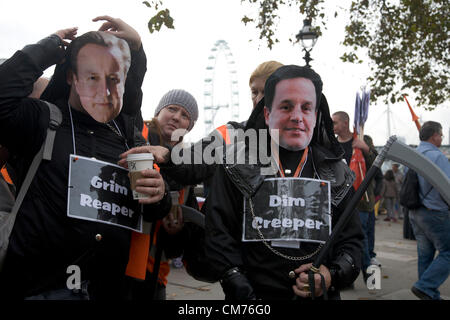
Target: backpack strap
[[431, 187], [55, 121]]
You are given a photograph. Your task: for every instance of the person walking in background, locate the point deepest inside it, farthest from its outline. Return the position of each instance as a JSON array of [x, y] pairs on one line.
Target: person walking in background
[[390, 195], [408, 232], [431, 222], [366, 205]]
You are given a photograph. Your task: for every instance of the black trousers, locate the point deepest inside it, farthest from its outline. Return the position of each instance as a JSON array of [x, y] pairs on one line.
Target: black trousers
[[140, 290]]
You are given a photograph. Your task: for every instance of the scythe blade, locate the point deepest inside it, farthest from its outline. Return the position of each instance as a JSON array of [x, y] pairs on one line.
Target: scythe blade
[[400, 152]]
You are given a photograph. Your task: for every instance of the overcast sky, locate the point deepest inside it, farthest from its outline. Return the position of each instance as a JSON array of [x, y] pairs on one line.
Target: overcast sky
[[178, 58]]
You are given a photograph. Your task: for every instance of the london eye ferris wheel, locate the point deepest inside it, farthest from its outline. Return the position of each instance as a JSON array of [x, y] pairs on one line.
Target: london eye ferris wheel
[[221, 94]]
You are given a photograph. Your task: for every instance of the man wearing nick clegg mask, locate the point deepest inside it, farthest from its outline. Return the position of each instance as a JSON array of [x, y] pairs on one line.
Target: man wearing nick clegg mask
[[266, 224], [76, 217]]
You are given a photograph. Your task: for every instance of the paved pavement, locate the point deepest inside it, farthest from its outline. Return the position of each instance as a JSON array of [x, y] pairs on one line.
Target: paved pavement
[[398, 257]]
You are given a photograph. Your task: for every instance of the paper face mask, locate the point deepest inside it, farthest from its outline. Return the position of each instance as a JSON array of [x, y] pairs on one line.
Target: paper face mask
[[293, 113], [100, 81]]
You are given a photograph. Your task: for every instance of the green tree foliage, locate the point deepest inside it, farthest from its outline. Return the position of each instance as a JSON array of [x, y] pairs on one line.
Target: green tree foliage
[[268, 17], [406, 41], [162, 17]]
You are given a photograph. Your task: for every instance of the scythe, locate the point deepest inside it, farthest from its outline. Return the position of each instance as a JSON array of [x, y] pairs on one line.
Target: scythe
[[399, 152]]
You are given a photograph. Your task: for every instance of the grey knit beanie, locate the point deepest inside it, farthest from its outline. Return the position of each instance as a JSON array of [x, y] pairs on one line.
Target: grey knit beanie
[[181, 98]]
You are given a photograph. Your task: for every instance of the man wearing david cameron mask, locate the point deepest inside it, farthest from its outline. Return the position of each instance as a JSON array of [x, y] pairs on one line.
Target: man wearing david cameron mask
[[265, 224], [79, 211], [98, 73]]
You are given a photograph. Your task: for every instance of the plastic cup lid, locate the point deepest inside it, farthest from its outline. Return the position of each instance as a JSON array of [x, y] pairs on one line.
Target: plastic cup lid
[[140, 156]]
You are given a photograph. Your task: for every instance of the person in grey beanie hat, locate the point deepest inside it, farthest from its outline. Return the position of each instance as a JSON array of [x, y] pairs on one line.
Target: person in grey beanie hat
[[181, 98], [177, 109]]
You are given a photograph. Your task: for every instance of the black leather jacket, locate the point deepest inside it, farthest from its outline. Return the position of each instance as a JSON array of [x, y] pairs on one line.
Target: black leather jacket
[[265, 272]]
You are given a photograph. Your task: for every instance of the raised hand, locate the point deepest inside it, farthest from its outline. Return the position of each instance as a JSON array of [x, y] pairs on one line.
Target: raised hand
[[67, 34], [359, 143], [120, 29]]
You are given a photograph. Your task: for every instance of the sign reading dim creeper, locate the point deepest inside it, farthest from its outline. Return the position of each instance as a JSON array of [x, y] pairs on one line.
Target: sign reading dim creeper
[[289, 209]]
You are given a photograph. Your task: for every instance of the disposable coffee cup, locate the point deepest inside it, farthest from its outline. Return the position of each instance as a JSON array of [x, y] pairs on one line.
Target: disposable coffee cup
[[137, 162]]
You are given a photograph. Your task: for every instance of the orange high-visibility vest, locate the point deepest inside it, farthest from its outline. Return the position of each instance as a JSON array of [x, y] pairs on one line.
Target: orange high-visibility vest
[[140, 257], [6, 176], [145, 131], [224, 132], [164, 267], [139, 245]]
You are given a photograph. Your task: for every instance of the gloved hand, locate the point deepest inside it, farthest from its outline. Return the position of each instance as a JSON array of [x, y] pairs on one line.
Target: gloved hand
[[236, 286], [343, 270]]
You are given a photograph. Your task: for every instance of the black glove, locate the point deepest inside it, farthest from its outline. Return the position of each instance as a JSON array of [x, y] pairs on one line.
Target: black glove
[[343, 271], [236, 286]]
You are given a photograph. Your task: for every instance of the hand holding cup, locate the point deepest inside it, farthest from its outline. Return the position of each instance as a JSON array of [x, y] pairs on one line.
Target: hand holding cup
[[147, 184]]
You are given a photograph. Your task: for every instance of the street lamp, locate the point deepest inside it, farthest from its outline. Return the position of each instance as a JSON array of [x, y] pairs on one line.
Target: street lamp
[[308, 38]]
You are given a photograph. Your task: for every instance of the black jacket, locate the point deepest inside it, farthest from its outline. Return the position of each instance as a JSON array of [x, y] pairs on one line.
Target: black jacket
[[193, 171], [266, 272], [44, 241]]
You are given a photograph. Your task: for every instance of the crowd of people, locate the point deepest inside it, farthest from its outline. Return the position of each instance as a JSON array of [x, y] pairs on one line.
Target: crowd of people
[[264, 223]]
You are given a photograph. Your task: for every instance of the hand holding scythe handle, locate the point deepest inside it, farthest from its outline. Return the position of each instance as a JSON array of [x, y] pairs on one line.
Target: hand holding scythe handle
[[345, 217], [353, 202], [399, 152]]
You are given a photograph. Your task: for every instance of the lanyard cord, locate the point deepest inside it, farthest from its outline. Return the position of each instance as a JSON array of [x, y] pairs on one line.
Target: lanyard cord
[[301, 165], [116, 131], [71, 122]]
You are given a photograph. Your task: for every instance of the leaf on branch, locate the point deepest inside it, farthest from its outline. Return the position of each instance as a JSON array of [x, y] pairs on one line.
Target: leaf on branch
[[246, 20], [161, 18], [404, 47], [154, 4]]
